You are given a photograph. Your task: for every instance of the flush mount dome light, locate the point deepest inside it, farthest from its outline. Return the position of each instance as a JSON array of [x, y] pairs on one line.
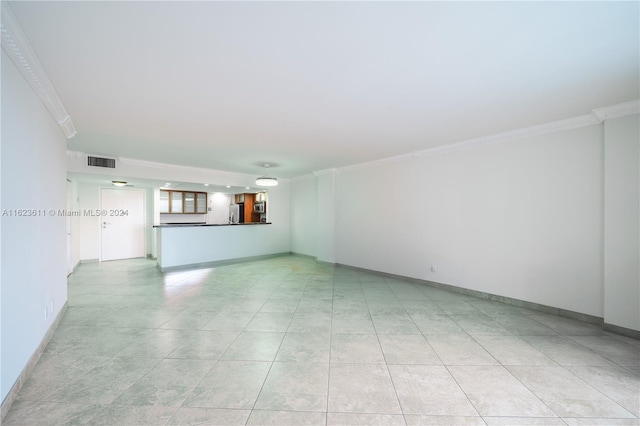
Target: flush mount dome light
[[266, 180], [118, 183]]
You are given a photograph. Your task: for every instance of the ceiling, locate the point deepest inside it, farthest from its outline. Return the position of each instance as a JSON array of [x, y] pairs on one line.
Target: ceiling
[[308, 86]]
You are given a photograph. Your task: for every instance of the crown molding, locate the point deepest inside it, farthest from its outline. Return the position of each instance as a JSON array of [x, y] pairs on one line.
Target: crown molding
[[597, 116], [303, 177], [331, 171], [615, 111], [17, 47]]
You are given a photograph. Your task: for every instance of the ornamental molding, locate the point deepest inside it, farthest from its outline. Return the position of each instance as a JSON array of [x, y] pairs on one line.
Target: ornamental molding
[[17, 47]]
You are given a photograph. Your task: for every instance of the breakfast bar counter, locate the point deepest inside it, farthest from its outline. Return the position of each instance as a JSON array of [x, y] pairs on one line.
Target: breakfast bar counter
[[202, 245]]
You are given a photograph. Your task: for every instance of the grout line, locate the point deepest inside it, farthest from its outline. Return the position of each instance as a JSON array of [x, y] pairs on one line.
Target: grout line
[[250, 280]]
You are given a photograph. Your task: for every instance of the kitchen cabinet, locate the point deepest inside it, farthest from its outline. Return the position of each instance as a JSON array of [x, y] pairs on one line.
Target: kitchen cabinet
[[164, 202], [248, 207], [188, 202], [176, 202], [201, 202]]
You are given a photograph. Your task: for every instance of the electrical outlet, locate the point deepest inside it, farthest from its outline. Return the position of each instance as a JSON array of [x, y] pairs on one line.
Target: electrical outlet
[[433, 268]]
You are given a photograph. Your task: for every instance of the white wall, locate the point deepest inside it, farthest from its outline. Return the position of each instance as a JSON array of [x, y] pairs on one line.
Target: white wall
[[279, 214], [521, 219], [149, 221], [326, 216], [3, 393], [304, 224], [89, 234], [75, 223], [622, 222], [34, 255]]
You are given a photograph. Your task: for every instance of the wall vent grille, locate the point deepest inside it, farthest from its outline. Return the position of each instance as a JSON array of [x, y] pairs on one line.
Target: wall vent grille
[[109, 163]]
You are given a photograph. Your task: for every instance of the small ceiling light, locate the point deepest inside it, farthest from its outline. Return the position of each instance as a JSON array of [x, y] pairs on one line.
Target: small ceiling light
[[266, 180], [118, 183]]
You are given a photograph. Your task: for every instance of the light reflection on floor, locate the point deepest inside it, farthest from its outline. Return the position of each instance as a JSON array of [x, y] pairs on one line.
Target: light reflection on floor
[[179, 282]]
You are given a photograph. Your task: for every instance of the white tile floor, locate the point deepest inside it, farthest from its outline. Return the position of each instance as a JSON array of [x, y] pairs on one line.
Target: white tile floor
[[287, 341]]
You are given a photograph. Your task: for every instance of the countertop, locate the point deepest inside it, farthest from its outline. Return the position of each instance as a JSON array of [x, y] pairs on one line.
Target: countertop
[[182, 225]]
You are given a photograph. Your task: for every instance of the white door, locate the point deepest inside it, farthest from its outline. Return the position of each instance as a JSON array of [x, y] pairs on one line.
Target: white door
[[122, 223]]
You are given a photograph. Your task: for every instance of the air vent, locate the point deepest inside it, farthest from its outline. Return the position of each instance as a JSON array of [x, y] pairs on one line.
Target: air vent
[[109, 163]]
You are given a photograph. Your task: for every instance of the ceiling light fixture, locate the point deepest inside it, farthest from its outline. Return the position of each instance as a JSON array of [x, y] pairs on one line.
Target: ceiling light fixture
[[118, 183], [266, 180]]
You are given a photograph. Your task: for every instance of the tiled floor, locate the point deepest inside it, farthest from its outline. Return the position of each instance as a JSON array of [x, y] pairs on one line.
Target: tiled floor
[[287, 341]]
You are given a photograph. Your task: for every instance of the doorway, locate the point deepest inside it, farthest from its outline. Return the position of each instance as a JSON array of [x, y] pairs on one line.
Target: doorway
[[122, 224]]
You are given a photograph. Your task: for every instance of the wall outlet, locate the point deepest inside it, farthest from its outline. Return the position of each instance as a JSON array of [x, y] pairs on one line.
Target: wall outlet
[[433, 268]]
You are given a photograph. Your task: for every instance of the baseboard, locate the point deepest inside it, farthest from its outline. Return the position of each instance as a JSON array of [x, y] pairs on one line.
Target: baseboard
[[26, 371], [308, 256], [591, 319], [89, 261], [493, 297], [217, 263], [623, 331], [74, 269]]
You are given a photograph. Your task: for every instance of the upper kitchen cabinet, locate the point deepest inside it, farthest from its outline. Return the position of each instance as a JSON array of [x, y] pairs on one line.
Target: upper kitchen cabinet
[[189, 199], [165, 202], [176, 202], [189, 202], [201, 202]]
